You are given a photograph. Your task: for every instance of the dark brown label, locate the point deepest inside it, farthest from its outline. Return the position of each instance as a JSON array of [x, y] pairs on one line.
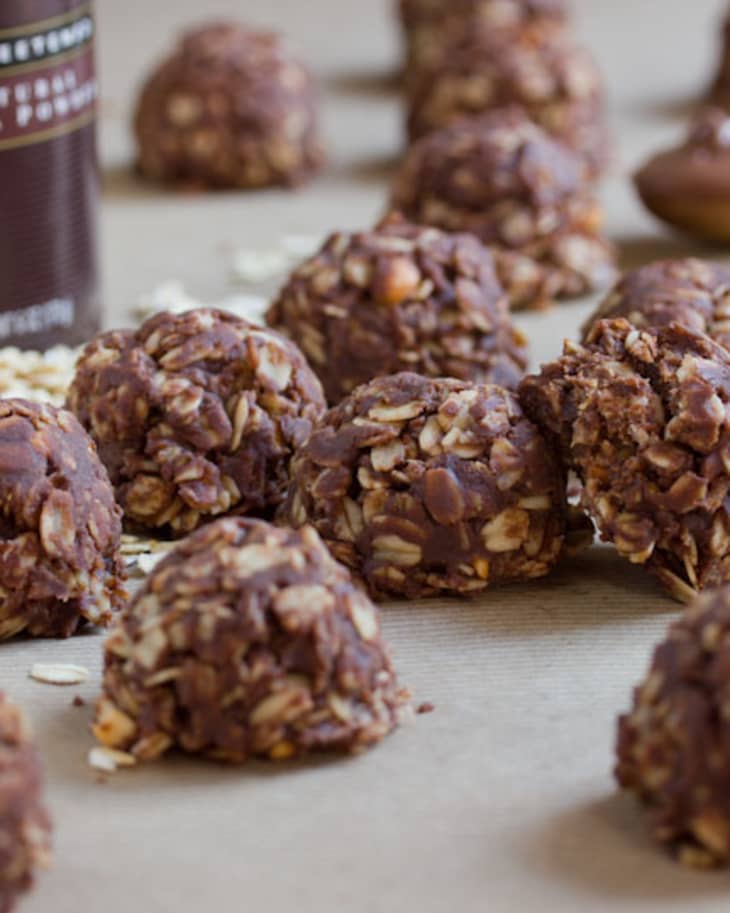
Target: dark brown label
[[48, 173]]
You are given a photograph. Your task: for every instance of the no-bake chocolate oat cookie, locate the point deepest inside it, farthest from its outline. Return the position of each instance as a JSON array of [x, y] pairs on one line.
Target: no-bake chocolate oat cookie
[[522, 192], [195, 415], [397, 298], [229, 108], [641, 417], [538, 69], [429, 24], [59, 551], [674, 745], [247, 640], [694, 293], [431, 486], [688, 186], [25, 827]]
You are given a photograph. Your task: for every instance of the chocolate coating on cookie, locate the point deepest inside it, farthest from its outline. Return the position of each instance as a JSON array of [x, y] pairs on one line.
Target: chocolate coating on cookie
[[25, 827], [674, 744], [688, 186], [247, 640], [431, 486], [538, 69], [195, 415], [641, 417], [59, 558], [229, 108], [693, 293], [400, 297], [430, 24], [523, 193]]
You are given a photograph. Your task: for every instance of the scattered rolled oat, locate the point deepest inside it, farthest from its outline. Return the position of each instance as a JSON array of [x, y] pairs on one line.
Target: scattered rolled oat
[[536, 67], [257, 266], [299, 247], [247, 640], [674, 745], [641, 417], [171, 297], [37, 376], [400, 297], [229, 108], [694, 293], [59, 673], [523, 193], [59, 566], [25, 826], [431, 486], [195, 415]]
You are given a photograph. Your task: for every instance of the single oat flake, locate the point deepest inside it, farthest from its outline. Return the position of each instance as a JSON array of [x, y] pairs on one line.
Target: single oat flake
[[59, 673]]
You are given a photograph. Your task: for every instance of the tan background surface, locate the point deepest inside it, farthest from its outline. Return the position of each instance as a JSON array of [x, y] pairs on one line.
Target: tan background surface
[[502, 800]]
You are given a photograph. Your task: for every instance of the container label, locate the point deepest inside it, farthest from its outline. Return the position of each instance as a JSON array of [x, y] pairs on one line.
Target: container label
[[47, 81]]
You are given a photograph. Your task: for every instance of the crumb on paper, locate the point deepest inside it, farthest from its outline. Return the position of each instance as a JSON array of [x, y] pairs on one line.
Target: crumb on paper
[[59, 673], [425, 707], [78, 701], [108, 760]]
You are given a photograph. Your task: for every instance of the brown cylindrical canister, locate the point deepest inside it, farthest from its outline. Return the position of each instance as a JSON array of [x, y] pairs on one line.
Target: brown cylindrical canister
[[49, 180]]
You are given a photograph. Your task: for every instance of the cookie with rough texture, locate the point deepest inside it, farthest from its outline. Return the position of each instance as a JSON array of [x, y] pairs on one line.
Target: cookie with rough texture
[[537, 68], [642, 418], [673, 746], [428, 25], [523, 193], [247, 640], [431, 486], [694, 293], [60, 566], [230, 107], [195, 415], [396, 298], [25, 826]]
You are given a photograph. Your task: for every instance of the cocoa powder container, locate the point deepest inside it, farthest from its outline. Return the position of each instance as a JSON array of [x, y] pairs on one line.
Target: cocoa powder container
[[49, 181]]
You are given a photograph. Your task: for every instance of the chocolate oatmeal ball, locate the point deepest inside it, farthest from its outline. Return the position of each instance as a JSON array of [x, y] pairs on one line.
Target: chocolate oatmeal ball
[[522, 193], [540, 70], [400, 297], [674, 745], [229, 108], [431, 486], [247, 640], [641, 417], [429, 24], [60, 566], [694, 293], [25, 827], [195, 415]]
